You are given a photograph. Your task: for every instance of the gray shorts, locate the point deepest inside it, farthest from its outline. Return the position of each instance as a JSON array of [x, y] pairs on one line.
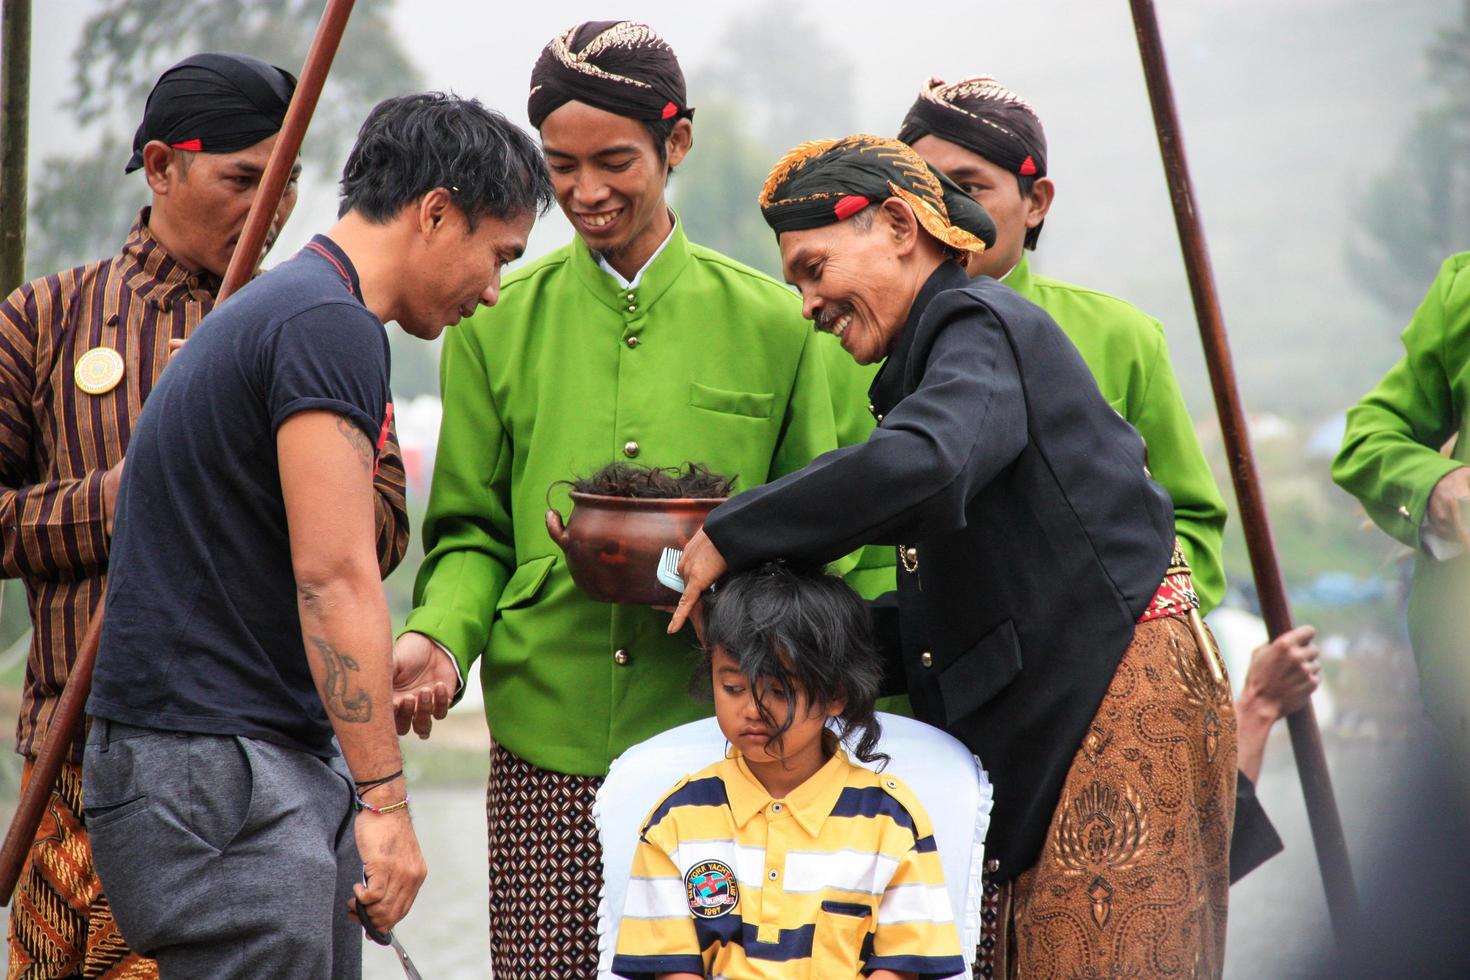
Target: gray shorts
[[224, 856]]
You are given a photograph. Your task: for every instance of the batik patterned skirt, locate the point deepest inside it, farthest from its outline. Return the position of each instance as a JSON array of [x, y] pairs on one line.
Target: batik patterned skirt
[[60, 922], [1134, 876], [545, 871]]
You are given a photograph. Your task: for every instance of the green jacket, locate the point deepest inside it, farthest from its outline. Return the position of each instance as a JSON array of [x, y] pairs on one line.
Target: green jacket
[[703, 360], [1390, 457], [1126, 351], [1390, 460]]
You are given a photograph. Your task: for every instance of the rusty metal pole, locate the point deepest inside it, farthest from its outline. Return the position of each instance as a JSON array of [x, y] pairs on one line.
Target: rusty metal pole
[[72, 706], [1306, 739], [15, 115]]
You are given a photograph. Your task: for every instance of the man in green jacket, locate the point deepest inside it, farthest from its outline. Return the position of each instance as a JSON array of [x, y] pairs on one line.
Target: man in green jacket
[[989, 141], [1392, 460], [630, 343]]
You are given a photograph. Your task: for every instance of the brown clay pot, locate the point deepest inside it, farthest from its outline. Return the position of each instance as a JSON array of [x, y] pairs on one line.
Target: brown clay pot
[[613, 544]]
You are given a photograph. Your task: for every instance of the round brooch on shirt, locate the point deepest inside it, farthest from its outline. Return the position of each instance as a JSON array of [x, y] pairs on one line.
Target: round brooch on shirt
[[712, 889], [99, 370]]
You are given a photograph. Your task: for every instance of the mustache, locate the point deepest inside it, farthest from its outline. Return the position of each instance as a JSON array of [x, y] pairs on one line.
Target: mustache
[[829, 315]]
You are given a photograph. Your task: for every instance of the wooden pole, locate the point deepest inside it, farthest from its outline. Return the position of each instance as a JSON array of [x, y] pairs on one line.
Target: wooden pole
[[251, 247], [35, 796], [1306, 739], [15, 102], [72, 707]]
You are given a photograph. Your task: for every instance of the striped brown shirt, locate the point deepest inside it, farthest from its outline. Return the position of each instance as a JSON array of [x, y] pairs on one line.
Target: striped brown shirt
[[56, 440]]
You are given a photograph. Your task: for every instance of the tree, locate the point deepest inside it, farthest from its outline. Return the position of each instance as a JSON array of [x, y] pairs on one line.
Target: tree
[[717, 188], [768, 72], [1418, 212], [756, 100], [81, 207]]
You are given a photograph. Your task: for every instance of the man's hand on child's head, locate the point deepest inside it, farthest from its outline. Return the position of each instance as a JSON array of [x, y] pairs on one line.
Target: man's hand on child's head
[[700, 568]]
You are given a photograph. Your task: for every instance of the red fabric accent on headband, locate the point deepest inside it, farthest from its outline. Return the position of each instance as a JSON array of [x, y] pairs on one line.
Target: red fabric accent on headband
[[1028, 167], [670, 111], [849, 205], [192, 144]]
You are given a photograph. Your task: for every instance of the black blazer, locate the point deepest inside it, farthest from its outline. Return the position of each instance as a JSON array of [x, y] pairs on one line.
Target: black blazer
[[1021, 502]]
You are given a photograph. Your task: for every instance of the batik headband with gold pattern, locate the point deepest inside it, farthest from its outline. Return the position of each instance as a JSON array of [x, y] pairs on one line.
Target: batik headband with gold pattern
[[821, 182], [619, 66]]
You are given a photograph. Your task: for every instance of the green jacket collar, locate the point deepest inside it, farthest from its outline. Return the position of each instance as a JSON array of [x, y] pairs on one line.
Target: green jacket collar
[[1019, 278], [657, 278]]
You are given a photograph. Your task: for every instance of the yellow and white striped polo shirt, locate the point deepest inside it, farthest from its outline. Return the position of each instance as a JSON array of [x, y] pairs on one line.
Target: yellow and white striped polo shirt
[[837, 880]]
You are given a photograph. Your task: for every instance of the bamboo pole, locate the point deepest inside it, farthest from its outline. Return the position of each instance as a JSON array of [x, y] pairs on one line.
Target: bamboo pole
[[72, 707], [1306, 739], [15, 101]]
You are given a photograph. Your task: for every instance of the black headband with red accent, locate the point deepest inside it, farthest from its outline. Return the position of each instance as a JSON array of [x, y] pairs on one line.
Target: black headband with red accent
[[619, 66], [1003, 130], [214, 103]]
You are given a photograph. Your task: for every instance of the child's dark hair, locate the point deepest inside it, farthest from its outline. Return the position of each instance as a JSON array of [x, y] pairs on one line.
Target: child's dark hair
[[789, 627]]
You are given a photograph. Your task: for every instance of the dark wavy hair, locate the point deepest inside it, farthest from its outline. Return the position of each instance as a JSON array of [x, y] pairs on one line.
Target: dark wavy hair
[[411, 144], [797, 628]]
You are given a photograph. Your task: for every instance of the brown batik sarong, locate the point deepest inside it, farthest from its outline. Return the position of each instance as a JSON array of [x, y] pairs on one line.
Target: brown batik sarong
[[60, 922], [1133, 880], [545, 871]]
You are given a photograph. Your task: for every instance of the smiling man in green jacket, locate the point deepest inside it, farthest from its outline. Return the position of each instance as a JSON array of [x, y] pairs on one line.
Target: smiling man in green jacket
[[989, 141], [630, 343], [1391, 460]]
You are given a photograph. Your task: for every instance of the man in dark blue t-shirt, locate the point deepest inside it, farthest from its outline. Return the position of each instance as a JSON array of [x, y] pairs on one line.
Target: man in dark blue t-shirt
[[246, 624]]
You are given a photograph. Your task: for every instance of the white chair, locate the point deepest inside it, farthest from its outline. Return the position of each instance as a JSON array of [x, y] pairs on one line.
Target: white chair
[[948, 780]]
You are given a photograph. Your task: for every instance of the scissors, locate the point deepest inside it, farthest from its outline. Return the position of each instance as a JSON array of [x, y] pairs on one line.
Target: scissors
[[388, 939]]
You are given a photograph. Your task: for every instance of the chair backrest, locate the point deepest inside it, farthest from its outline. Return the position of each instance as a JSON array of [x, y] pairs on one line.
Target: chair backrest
[[947, 779]]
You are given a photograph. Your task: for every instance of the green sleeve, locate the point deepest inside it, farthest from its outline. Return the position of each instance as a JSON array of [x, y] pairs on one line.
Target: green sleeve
[[870, 571], [1390, 456], [809, 428], [468, 549], [1178, 464]]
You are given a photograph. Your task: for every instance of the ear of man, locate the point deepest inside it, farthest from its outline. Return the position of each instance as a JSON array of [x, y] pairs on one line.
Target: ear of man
[[433, 211], [164, 166], [1039, 201], [897, 220], [680, 142]]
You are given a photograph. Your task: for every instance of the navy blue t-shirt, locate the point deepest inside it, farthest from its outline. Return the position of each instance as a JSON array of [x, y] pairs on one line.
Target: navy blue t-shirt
[[202, 631]]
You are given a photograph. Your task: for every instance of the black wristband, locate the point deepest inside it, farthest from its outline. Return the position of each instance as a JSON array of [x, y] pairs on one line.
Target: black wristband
[[364, 785]]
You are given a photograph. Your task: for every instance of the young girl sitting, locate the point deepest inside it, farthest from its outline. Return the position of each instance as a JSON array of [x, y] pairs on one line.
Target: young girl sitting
[[786, 860]]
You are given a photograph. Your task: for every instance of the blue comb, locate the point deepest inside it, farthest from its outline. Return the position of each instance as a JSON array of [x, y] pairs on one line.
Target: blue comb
[[668, 569]]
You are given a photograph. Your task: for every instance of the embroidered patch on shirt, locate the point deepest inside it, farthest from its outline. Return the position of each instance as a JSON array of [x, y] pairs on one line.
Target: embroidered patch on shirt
[[712, 890]]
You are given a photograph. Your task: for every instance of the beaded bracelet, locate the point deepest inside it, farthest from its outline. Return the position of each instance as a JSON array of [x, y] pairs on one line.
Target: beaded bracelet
[[363, 804]]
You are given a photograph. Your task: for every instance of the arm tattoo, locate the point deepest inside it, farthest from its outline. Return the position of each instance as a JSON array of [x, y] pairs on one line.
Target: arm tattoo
[[344, 703], [358, 440]]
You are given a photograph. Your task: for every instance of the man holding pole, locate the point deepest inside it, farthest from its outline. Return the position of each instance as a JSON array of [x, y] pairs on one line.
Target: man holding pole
[[1392, 461], [80, 351]]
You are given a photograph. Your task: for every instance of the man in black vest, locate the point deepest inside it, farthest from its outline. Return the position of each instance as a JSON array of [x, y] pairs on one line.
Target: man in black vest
[[1045, 615]]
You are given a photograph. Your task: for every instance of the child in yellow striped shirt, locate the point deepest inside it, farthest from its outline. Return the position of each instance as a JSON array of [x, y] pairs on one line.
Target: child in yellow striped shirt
[[786, 860]]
